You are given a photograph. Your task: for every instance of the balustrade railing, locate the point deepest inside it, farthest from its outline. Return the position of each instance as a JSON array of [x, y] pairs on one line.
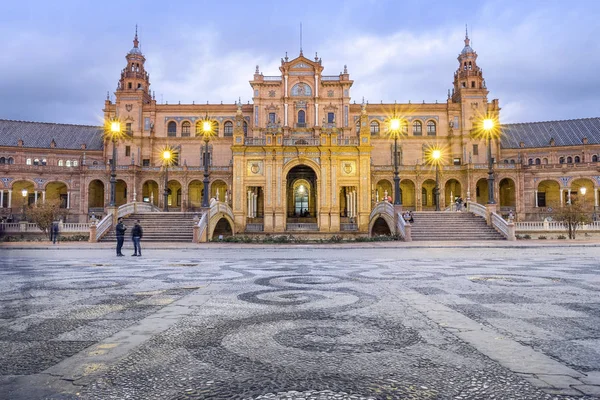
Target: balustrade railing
[[345, 227], [104, 226], [66, 227], [301, 142], [477, 209], [254, 227], [255, 142], [302, 227], [347, 141]]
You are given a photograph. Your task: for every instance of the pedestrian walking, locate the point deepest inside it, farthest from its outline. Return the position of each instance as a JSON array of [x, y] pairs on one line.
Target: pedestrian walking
[[54, 232], [120, 230], [136, 235]]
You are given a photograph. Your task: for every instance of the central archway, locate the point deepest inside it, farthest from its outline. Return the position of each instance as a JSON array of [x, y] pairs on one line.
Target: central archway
[[301, 196]]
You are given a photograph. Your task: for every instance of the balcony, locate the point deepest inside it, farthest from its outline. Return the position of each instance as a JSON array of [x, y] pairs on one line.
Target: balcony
[[301, 125], [254, 142]]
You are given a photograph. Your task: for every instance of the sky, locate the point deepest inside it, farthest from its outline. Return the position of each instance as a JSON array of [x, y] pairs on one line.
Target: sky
[[60, 58]]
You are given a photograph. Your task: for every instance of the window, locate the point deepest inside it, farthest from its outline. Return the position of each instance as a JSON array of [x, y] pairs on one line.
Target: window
[[358, 126], [301, 89], [541, 199], [594, 158], [512, 161], [463, 84], [456, 161], [75, 163], [473, 84], [36, 161], [11, 160], [127, 151], [431, 128], [28, 161], [60, 163], [146, 162], [330, 118], [538, 161], [545, 161], [272, 118], [476, 150], [128, 129], [301, 119], [569, 160], [374, 128], [172, 129], [577, 159], [245, 128], [417, 128], [301, 201], [68, 163], [505, 161], [186, 129], [2, 160], [228, 128], [129, 85], [530, 161], [561, 160], [44, 161]]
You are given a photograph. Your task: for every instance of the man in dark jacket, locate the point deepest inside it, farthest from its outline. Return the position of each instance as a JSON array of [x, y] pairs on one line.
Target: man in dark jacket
[[120, 230], [136, 235]]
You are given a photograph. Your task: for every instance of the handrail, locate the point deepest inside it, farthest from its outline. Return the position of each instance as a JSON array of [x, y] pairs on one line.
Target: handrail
[[104, 226], [553, 226], [383, 207], [401, 226], [477, 209], [202, 225], [135, 207], [503, 226]]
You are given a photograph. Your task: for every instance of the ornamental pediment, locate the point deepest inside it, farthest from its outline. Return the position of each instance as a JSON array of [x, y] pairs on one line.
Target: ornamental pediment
[[301, 64]]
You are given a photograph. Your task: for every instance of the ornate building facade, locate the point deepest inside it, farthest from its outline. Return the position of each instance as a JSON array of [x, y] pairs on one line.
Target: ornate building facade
[[302, 155]]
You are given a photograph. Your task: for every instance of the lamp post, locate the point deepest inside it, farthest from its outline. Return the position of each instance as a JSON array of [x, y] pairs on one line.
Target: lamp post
[[436, 155], [166, 155], [395, 126], [24, 193], [207, 131], [488, 126], [114, 131]]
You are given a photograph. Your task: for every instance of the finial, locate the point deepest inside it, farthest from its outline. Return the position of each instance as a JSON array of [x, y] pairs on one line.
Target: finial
[[300, 38], [345, 69], [135, 39], [286, 57], [316, 57], [108, 95], [257, 71], [448, 93], [466, 36]]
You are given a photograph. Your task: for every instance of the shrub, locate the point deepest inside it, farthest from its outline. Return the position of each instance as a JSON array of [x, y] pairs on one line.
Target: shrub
[[526, 237], [561, 237], [336, 239], [542, 237]]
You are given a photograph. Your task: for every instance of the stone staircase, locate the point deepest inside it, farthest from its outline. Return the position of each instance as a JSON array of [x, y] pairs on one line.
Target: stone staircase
[[159, 227], [449, 225]]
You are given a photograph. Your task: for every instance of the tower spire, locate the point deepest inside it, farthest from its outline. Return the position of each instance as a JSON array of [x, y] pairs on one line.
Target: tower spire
[[467, 40], [136, 42], [300, 38]]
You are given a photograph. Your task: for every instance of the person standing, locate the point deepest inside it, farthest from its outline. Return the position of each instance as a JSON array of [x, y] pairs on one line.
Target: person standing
[[54, 233], [136, 234], [120, 230]]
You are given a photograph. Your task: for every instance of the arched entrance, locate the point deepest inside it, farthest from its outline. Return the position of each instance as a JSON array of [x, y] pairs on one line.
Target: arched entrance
[[223, 228], [57, 191], [17, 202], [121, 193], [96, 196], [150, 192], [427, 197], [481, 191], [195, 193], [380, 228], [452, 190], [407, 191], [508, 196], [383, 189], [548, 194], [174, 191], [218, 188], [582, 191], [301, 197]]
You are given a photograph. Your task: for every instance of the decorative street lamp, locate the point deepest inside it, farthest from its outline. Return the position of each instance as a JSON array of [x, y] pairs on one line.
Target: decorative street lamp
[[24, 193], [206, 129], [395, 129], [167, 156], [113, 130], [436, 156], [488, 128]]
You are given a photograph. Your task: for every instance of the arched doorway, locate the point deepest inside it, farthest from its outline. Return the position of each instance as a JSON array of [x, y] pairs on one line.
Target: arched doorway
[[380, 228], [57, 191], [96, 196], [301, 198], [582, 191], [452, 190], [174, 194], [407, 191], [195, 193], [507, 196], [427, 197], [218, 188], [548, 194], [222, 229], [481, 191], [150, 192], [383, 189], [22, 195], [120, 193]]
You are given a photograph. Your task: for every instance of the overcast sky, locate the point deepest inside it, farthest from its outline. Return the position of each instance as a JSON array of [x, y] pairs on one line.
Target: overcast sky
[[60, 58]]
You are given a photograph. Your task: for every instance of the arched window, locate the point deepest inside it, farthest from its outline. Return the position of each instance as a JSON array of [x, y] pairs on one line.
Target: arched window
[[245, 129], [358, 127], [595, 158], [28, 161], [512, 161], [569, 160], [505, 161], [374, 128], [2, 160], [561, 160], [431, 128], [538, 161], [172, 129], [301, 119], [577, 159], [75, 163], [417, 128], [186, 129], [60, 163], [530, 161], [545, 161], [11, 160], [228, 128], [68, 163], [301, 89], [36, 161]]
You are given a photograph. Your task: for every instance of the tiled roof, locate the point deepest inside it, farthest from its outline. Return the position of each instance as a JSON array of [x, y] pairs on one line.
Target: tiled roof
[[41, 134], [539, 134]]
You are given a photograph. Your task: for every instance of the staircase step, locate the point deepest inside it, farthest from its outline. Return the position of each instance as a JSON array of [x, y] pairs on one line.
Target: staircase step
[[438, 226]]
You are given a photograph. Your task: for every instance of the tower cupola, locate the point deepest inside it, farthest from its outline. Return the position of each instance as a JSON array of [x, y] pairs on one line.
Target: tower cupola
[[134, 77]]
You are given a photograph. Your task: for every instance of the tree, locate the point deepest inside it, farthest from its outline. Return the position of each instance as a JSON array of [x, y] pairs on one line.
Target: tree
[[44, 214], [573, 216]]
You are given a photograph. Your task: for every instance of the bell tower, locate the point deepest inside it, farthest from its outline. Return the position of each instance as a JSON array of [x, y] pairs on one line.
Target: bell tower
[[135, 81], [468, 79]]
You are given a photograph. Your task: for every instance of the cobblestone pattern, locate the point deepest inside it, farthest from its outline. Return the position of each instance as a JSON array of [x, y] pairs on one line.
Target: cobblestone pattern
[[292, 328]]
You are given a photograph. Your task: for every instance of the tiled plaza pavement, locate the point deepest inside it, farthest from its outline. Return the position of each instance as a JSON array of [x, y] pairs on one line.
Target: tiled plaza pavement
[[301, 323]]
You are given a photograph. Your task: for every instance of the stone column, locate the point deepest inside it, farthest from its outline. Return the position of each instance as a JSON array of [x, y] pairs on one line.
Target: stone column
[[35, 196], [68, 199], [9, 198], [43, 196], [561, 197], [535, 199], [595, 197], [1, 198]]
